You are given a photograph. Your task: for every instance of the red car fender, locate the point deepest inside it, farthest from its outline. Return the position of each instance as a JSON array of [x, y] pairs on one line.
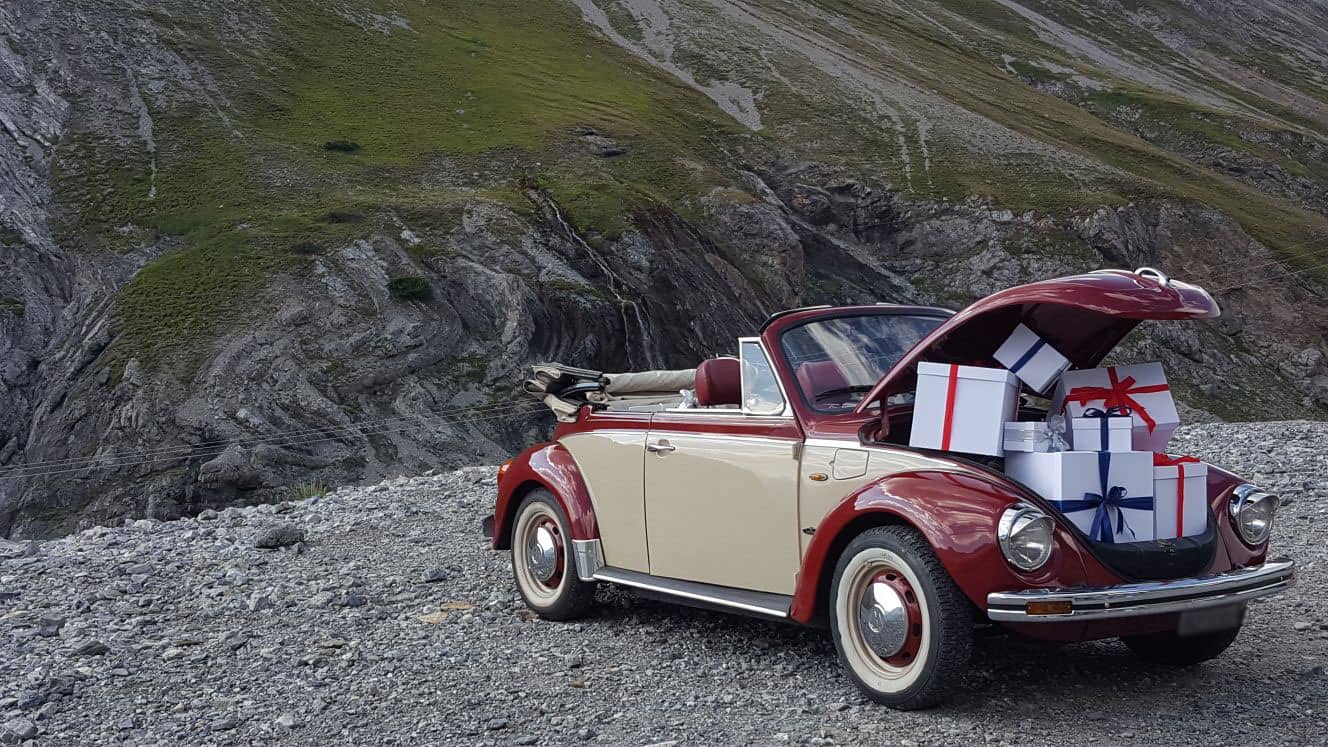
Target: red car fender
[[958, 515], [548, 466]]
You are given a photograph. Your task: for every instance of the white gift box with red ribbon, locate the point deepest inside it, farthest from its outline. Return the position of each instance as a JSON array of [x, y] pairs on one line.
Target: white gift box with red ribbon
[[1029, 357], [1141, 387], [1180, 493], [963, 408]]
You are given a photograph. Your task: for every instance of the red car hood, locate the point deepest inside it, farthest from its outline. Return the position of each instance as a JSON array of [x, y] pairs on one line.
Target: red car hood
[[1082, 316]]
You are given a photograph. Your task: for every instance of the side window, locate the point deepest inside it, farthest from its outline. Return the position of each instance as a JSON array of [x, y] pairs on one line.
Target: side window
[[760, 388]]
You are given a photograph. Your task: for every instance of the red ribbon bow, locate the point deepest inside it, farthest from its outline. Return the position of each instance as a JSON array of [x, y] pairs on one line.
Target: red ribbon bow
[[1179, 462], [1118, 395]]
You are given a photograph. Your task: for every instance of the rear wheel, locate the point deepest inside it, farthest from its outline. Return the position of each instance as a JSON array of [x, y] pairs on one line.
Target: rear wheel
[[1178, 650], [543, 563], [902, 629]]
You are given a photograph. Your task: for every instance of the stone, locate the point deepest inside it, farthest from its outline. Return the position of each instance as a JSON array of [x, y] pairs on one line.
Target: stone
[[287, 720], [91, 648], [280, 535], [434, 575], [49, 627], [18, 730]]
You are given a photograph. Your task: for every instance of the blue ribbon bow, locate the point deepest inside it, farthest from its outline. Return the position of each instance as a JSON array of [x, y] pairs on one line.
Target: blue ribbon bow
[[1119, 411], [1111, 498]]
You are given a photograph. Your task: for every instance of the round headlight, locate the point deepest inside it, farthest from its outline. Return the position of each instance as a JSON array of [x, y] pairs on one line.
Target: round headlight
[[1025, 535], [1252, 512]]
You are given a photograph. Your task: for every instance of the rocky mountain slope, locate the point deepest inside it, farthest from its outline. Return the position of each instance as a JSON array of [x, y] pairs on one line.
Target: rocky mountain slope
[[223, 222], [393, 623]]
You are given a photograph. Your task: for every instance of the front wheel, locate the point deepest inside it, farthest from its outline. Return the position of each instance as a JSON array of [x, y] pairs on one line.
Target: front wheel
[[1176, 650], [543, 562], [902, 628]]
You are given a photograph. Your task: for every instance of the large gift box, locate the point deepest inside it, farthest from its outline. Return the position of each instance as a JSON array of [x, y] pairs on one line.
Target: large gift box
[[1107, 494], [962, 408], [1142, 388], [1029, 357], [1102, 430], [1180, 490]]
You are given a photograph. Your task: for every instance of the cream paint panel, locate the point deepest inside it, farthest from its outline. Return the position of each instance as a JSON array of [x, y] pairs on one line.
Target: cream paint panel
[[610, 463], [816, 499], [724, 510]]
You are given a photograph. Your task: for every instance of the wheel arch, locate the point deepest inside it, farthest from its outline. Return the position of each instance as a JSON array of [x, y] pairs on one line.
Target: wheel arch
[[549, 467], [957, 513]]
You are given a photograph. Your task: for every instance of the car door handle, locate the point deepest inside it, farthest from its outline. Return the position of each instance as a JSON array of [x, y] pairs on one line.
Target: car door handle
[[661, 446]]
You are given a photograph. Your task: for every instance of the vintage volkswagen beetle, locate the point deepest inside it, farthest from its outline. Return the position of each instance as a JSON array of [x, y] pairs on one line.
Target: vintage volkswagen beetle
[[784, 488]]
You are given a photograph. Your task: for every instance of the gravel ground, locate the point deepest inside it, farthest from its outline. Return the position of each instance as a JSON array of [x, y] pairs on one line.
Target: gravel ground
[[392, 623]]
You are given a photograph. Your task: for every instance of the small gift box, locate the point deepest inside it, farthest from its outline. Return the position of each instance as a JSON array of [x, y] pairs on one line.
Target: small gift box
[[1106, 494], [962, 408], [1180, 489], [1032, 436], [1142, 388], [1102, 430], [1029, 357]]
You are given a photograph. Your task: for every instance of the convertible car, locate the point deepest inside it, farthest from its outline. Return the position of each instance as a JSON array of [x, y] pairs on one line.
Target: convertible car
[[779, 483]]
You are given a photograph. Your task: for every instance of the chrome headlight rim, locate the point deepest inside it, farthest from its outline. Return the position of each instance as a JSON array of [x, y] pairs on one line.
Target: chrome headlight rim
[[1249, 498], [1017, 522]]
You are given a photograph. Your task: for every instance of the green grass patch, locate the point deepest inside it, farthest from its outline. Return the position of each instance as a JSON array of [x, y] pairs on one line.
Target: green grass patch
[[410, 288]]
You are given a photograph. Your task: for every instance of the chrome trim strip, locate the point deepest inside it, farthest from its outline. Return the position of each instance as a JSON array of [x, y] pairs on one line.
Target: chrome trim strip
[[757, 602], [589, 555], [1149, 598]]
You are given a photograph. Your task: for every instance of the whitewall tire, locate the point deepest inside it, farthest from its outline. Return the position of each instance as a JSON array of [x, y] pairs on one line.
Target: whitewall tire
[[902, 629], [543, 563]]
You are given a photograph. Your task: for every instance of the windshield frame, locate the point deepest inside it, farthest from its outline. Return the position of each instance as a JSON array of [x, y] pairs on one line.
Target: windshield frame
[[810, 407]]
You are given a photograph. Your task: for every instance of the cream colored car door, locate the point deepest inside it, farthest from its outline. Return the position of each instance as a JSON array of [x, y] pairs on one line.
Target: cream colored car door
[[722, 488]]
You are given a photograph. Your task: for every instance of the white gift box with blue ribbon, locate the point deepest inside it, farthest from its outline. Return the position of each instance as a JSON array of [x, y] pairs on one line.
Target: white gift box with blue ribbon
[[1029, 357], [1102, 430], [1106, 494]]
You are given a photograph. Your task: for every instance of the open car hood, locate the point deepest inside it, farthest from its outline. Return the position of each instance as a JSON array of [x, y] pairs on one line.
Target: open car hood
[[1082, 316]]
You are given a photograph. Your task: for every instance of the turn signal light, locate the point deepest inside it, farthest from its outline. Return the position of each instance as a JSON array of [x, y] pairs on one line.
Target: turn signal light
[[502, 469], [1049, 608]]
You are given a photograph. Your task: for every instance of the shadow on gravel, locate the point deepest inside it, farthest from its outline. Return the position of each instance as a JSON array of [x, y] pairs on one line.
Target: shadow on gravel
[[1004, 668]]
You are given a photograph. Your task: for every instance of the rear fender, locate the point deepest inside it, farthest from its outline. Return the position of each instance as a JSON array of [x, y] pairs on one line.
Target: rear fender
[[551, 467], [957, 514]]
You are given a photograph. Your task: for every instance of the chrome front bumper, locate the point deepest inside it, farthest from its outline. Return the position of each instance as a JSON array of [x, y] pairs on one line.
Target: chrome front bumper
[[1136, 600]]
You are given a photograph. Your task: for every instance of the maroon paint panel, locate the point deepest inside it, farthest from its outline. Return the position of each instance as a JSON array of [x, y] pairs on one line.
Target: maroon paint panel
[[958, 515], [551, 467], [1237, 554], [1082, 316]]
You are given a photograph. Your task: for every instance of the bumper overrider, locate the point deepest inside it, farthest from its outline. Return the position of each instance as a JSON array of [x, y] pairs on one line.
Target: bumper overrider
[[1140, 599]]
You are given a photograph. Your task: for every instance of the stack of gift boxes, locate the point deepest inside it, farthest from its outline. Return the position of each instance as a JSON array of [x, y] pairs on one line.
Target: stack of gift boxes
[[1100, 457]]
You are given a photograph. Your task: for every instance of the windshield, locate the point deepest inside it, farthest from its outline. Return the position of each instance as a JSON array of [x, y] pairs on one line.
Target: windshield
[[836, 361]]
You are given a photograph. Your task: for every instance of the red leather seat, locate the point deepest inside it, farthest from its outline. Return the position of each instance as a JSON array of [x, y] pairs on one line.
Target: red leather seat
[[718, 382], [818, 377]]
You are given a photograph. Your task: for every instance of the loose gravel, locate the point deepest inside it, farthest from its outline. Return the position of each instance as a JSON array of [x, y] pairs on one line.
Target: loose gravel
[[384, 619]]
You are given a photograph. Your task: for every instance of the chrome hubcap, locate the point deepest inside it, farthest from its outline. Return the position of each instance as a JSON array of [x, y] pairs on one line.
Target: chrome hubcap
[[882, 619], [542, 554]]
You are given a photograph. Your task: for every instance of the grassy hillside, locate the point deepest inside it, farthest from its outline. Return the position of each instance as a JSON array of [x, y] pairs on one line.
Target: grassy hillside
[[332, 121]]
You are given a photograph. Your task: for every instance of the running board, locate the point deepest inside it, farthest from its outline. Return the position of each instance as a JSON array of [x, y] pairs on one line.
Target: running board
[[754, 602]]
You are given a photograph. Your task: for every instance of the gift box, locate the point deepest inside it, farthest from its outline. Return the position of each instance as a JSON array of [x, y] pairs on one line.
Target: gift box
[[1106, 494], [1029, 357], [1180, 492], [1142, 388], [1102, 430], [1031, 436], [962, 408]]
